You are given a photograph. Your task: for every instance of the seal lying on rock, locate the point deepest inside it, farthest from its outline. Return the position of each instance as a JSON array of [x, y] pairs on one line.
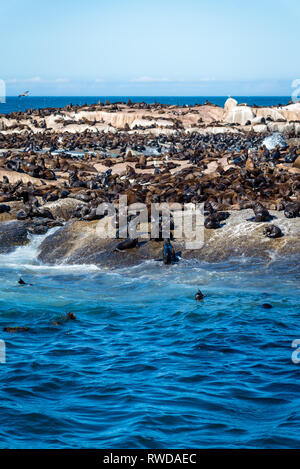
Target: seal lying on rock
[[126, 244], [272, 231], [212, 222], [292, 210], [4, 208]]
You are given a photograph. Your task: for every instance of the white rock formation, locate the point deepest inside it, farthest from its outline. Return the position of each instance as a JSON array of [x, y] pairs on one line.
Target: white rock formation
[[230, 104], [238, 115]]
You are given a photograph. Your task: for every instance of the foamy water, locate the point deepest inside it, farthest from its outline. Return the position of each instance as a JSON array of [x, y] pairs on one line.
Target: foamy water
[[274, 140]]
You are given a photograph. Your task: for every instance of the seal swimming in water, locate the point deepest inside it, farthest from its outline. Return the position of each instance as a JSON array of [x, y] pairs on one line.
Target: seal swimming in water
[[15, 329], [199, 295], [21, 282], [266, 306]]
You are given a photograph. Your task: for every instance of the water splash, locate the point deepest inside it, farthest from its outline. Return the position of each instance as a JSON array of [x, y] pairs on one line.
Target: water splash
[[25, 254], [26, 257], [274, 140]]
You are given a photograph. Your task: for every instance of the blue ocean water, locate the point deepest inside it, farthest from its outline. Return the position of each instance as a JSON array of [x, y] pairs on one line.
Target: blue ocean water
[[145, 365], [35, 102]]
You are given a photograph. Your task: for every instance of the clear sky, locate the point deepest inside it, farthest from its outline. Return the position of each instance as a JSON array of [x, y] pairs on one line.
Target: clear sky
[[150, 47]]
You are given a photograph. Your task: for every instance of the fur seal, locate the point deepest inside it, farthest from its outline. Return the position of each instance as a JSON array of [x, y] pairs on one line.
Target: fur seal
[[212, 222], [272, 231], [15, 329], [261, 213], [128, 243], [21, 282], [292, 210], [4, 208], [266, 306], [199, 296], [169, 254]]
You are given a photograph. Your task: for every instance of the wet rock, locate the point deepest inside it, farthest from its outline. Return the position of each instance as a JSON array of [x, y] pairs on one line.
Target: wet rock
[[241, 237], [78, 242], [12, 234]]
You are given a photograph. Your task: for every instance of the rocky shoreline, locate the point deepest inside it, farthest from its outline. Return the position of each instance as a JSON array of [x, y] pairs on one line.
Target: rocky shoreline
[[155, 119], [77, 242], [57, 166]]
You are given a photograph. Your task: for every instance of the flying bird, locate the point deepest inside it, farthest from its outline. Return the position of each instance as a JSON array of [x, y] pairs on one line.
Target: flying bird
[[23, 94]]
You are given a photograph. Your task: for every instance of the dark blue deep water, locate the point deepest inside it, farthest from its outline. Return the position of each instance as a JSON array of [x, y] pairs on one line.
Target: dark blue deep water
[[144, 365], [21, 104]]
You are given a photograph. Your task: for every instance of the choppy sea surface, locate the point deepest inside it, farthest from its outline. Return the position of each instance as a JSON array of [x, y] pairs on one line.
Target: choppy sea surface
[[144, 365], [14, 103]]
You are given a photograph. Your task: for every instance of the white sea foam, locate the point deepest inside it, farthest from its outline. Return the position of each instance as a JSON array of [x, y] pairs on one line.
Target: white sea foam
[[25, 254], [273, 140], [26, 257]]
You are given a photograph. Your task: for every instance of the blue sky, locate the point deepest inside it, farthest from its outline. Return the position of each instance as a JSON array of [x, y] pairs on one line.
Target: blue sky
[[150, 47]]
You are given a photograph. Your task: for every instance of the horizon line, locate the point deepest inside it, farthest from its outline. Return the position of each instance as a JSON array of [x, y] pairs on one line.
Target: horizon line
[[153, 96]]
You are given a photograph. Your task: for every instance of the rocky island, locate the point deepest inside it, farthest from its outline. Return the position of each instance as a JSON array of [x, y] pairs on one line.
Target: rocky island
[[241, 162]]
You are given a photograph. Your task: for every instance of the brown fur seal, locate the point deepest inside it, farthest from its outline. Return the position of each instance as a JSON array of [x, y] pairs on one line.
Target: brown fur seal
[[272, 231], [292, 210], [126, 244], [261, 213], [15, 329]]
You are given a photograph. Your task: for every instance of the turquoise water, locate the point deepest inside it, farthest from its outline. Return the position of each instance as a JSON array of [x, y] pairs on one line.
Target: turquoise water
[[144, 365], [21, 104]]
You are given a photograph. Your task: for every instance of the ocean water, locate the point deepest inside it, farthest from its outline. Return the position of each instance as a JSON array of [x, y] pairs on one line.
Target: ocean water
[[14, 103], [144, 365]]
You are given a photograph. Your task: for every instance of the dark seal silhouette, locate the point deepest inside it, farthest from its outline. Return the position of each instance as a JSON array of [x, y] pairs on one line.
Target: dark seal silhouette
[[169, 254], [199, 295], [272, 231]]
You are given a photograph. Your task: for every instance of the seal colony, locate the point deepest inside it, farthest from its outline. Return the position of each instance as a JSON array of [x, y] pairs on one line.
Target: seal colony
[[59, 165]]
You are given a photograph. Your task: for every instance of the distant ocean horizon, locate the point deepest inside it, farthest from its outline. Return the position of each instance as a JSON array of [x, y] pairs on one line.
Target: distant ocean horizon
[[14, 103]]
